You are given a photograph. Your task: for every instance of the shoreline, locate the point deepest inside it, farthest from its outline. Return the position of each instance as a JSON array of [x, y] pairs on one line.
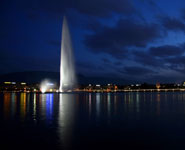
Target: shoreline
[[102, 91]]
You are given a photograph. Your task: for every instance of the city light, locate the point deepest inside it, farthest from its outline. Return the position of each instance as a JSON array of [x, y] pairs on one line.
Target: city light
[[43, 89], [7, 82], [45, 86], [49, 84]]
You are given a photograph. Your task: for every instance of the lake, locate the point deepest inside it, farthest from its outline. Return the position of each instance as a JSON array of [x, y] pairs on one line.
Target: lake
[[71, 121]]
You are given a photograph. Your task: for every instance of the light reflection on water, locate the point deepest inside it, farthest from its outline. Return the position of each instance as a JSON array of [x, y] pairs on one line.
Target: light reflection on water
[[34, 107], [109, 106], [98, 104], [66, 118], [90, 99], [23, 105], [7, 98], [49, 106], [71, 117], [13, 104], [44, 105]]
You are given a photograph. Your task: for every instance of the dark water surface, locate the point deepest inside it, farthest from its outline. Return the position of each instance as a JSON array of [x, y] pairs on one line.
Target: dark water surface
[[92, 121]]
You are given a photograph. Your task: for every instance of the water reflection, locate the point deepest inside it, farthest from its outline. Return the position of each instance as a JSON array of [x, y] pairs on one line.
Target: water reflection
[[23, 105], [6, 106], [109, 105], [70, 115], [90, 99], [42, 106], [66, 118], [158, 104], [115, 104], [49, 106], [97, 104], [13, 104], [137, 102], [34, 107]]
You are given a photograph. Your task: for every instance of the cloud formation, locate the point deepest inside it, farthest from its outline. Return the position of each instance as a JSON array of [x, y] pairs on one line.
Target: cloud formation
[[136, 71], [173, 24], [162, 57], [166, 51], [116, 40]]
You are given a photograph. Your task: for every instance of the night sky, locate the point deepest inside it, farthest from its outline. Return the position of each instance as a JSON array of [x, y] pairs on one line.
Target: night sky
[[138, 40]]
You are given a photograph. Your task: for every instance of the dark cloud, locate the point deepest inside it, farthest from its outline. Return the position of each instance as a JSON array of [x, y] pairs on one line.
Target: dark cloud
[[168, 78], [146, 59], [177, 63], [88, 66], [102, 8], [180, 60], [105, 60], [116, 40], [173, 24], [153, 5], [166, 51], [118, 63], [183, 13], [136, 71], [163, 57], [95, 26]]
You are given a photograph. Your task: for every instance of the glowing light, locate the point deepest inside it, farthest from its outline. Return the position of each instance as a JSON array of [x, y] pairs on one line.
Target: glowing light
[[49, 84], [43, 89], [23, 83], [7, 82], [45, 85], [13, 82]]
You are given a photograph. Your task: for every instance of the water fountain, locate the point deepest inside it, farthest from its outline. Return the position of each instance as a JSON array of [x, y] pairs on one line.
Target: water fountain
[[67, 69]]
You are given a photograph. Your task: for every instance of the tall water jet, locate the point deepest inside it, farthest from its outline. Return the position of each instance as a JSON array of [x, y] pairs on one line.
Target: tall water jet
[[67, 69]]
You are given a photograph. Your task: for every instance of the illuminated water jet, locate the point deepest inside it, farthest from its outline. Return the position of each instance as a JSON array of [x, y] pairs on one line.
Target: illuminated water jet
[[67, 70]]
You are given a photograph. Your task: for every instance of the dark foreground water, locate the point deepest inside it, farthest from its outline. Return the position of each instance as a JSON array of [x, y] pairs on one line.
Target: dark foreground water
[[92, 121]]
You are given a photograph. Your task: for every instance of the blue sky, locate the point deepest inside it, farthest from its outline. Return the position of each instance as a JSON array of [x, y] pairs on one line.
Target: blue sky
[[138, 40]]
